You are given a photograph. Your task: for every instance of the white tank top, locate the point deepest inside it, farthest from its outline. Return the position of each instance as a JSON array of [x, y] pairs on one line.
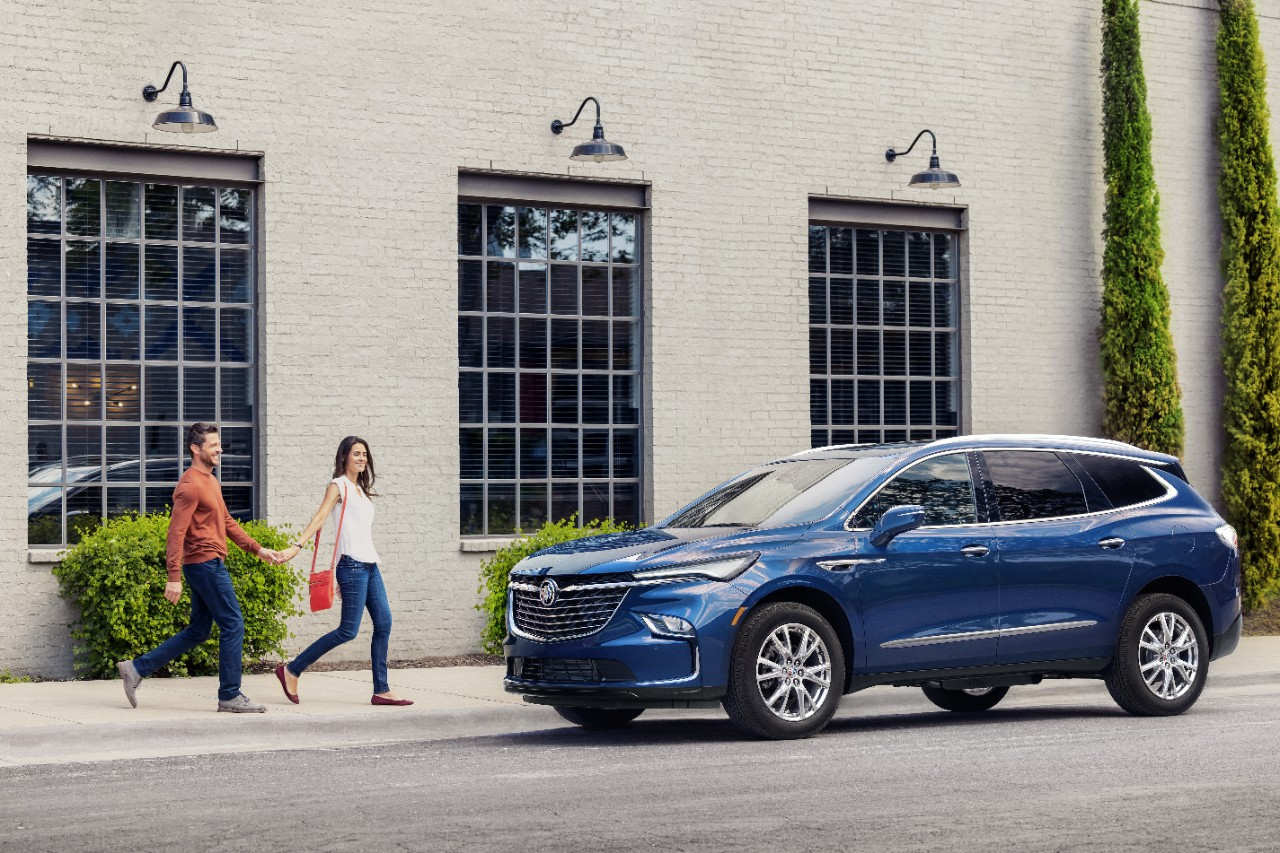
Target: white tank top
[[356, 539]]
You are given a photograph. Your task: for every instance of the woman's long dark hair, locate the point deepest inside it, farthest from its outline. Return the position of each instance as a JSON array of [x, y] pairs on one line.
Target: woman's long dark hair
[[366, 477]]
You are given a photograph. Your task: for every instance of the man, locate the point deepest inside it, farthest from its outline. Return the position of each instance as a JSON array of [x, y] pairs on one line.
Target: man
[[197, 549]]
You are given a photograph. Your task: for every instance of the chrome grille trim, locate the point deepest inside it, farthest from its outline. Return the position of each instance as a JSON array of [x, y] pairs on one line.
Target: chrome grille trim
[[582, 609]]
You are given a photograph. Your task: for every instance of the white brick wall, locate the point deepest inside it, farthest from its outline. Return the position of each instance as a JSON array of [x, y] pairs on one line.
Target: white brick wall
[[735, 112]]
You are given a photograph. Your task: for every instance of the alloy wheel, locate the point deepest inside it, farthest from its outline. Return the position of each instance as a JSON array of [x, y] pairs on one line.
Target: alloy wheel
[[793, 672], [1168, 655]]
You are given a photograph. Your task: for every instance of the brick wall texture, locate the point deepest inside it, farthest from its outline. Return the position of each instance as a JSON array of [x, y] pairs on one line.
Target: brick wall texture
[[735, 113]]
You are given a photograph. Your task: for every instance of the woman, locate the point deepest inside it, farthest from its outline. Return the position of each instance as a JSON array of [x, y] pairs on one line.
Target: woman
[[359, 580]]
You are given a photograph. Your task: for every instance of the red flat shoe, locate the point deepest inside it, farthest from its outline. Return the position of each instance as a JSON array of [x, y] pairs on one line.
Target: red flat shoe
[[284, 685], [382, 700]]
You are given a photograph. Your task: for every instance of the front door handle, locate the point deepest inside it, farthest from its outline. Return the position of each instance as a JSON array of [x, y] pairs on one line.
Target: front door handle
[[975, 550], [1112, 543]]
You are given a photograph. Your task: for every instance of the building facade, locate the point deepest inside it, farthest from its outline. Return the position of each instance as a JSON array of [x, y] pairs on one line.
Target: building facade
[[385, 238]]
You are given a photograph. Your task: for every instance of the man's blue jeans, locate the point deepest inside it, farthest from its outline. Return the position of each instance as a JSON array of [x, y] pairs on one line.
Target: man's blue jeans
[[212, 600], [361, 585]]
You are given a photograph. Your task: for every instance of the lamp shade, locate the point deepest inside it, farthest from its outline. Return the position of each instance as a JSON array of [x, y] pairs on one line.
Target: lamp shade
[[935, 178], [185, 120], [598, 150]]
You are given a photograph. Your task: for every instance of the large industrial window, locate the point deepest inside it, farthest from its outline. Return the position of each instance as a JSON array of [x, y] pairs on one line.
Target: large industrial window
[[883, 334], [140, 320], [548, 365]]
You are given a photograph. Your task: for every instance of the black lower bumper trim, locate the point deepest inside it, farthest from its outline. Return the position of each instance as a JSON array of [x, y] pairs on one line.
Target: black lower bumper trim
[[1226, 642], [616, 697]]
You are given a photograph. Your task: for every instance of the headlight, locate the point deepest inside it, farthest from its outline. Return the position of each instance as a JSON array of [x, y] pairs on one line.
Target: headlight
[[667, 626], [723, 569], [1227, 534]]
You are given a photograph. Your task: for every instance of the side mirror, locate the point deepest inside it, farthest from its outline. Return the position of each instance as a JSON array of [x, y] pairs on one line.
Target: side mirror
[[896, 520]]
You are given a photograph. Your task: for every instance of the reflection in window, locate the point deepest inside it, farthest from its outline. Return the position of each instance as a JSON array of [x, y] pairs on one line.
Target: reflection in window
[[883, 338], [548, 366], [942, 485], [126, 281], [1034, 484]]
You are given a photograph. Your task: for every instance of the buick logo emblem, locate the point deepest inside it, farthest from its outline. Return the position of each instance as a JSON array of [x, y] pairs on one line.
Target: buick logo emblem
[[547, 592]]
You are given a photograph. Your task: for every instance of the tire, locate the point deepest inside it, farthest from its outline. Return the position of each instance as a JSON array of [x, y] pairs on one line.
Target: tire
[[965, 701], [786, 673], [1162, 657], [598, 718]]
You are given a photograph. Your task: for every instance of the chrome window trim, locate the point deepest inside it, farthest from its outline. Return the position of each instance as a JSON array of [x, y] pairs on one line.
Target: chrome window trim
[[872, 496], [1145, 464], [986, 635]]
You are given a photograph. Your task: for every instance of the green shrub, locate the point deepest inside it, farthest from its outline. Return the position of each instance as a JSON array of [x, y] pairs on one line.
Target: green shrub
[[116, 576], [1141, 400], [495, 571], [7, 677], [1251, 303]]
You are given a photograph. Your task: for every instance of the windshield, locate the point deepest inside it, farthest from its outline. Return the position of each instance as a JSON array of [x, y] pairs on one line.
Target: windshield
[[794, 491]]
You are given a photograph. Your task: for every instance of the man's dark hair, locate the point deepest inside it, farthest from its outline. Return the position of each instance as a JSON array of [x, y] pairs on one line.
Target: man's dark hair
[[197, 432]]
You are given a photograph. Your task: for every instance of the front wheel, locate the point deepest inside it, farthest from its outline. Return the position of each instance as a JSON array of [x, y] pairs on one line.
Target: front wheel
[[965, 701], [1162, 658], [598, 718], [786, 674]]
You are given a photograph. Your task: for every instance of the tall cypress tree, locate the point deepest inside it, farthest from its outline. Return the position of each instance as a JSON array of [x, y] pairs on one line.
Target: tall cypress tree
[[1141, 398], [1251, 302]]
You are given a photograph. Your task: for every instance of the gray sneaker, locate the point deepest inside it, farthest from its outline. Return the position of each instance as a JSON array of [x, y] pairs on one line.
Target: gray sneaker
[[241, 705], [129, 675]]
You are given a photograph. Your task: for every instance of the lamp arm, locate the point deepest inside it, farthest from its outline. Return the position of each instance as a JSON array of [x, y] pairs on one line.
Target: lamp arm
[[891, 154], [150, 93], [557, 125]]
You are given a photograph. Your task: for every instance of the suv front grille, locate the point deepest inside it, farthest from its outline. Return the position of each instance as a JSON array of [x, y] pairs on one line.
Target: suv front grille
[[584, 604]]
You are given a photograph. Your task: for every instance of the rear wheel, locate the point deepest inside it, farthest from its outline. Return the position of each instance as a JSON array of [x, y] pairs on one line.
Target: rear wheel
[[965, 701], [598, 718], [1162, 658], [786, 674]]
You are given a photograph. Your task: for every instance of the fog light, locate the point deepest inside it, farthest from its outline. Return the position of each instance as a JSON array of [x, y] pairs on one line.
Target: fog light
[[667, 626]]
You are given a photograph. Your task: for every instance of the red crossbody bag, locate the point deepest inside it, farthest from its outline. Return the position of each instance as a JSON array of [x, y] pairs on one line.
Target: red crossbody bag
[[324, 584]]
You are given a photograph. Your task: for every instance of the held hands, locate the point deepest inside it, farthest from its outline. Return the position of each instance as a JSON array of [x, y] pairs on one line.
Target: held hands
[[277, 558]]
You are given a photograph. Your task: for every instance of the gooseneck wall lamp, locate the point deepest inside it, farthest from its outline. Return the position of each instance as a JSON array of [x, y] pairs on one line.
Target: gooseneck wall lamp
[[184, 119], [598, 149], [935, 176]]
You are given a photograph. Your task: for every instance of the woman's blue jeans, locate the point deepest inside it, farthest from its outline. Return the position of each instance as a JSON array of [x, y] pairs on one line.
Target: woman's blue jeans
[[361, 585]]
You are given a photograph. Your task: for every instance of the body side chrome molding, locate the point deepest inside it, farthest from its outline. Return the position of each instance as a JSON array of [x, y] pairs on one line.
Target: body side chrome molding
[[986, 635]]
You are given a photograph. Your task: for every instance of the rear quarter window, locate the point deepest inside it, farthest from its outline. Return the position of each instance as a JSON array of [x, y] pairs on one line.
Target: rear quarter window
[[1124, 481]]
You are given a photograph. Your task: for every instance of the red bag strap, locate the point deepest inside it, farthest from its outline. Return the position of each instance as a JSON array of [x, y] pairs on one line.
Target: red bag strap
[[315, 552]]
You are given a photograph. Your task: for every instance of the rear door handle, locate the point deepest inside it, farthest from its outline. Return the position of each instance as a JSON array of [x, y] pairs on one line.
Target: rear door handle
[[1111, 543], [975, 550]]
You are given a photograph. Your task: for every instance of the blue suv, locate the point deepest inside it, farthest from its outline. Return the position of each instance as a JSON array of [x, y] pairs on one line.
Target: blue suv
[[962, 566]]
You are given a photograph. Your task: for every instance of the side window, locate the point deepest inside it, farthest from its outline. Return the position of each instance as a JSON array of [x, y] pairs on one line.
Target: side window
[[1034, 484], [1123, 481], [941, 485]]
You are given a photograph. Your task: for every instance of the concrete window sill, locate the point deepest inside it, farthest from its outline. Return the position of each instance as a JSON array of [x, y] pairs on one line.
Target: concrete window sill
[[485, 546], [44, 555]]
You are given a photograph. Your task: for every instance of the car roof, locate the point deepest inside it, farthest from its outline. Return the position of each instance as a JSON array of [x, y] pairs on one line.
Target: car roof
[[990, 441]]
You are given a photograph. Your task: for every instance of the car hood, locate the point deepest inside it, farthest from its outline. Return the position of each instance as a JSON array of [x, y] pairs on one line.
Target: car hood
[[651, 547]]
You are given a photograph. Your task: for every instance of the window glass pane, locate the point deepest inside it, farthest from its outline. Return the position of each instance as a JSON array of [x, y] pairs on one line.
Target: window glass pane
[[469, 229], [237, 455], [122, 501], [626, 453], [564, 453], [501, 240], [471, 448], [501, 287], [595, 291], [122, 271], [237, 394], [533, 343], [234, 276], [595, 344], [533, 506], [239, 500], [564, 399], [595, 501], [124, 394], [893, 253], [160, 214], [841, 248], [199, 214], [199, 275], [162, 332], [817, 300], [841, 351], [44, 453], [162, 393], [84, 511], [234, 216], [533, 398], [84, 207], [842, 401], [124, 332], [471, 397], [817, 249], [595, 236], [44, 391], [44, 329], [533, 232], [941, 485], [624, 346], [470, 286], [124, 209], [236, 335], [1033, 484], [626, 403], [162, 454], [564, 344], [501, 342], [124, 452], [564, 289], [84, 454], [199, 334], [623, 235], [818, 402], [942, 264], [919, 252], [502, 398], [502, 508], [868, 252], [84, 275], [1124, 482], [198, 390], [471, 341], [44, 515], [160, 273], [625, 301], [533, 453], [533, 288], [565, 502], [595, 400], [564, 235], [471, 510], [44, 268], [44, 204], [626, 503], [159, 498], [84, 330]]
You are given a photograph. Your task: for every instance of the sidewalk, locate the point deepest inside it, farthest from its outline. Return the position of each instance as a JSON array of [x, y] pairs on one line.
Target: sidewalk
[[70, 721]]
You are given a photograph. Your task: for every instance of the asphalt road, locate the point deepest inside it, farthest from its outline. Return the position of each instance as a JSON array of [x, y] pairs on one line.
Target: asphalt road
[[1049, 770]]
